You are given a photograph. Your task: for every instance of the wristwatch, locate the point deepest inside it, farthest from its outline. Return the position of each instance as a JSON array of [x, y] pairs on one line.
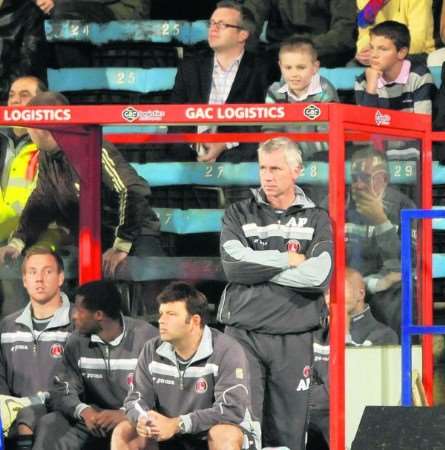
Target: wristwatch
[[181, 426]]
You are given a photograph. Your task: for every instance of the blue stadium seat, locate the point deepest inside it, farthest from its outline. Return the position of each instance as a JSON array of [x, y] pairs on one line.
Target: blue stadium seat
[[118, 79], [246, 174], [160, 79], [156, 31]]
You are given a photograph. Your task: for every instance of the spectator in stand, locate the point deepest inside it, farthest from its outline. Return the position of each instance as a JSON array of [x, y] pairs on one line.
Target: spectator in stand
[[276, 251], [208, 405], [391, 81], [32, 345], [96, 373], [417, 15], [18, 173], [300, 82], [129, 225], [361, 326], [329, 23], [22, 40], [229, 74], [372, 240]]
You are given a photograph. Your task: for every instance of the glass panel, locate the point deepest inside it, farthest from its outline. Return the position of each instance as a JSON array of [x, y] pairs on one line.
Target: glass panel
[[382, 179]]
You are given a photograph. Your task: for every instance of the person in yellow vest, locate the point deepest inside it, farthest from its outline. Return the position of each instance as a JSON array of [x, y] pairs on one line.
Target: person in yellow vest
[[18, 175], [18, 159]]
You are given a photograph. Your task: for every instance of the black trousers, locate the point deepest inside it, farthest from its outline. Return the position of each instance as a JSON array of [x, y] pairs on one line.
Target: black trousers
[[55, 432], [280, 371]]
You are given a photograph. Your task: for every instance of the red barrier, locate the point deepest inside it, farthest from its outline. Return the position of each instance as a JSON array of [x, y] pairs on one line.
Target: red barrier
[[345, 122]]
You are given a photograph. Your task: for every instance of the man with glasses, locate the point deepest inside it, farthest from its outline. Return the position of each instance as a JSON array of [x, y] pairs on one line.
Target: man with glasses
[[228, 74], [372, 231]]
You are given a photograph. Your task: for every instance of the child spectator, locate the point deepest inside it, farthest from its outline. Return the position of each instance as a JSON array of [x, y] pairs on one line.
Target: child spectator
[[299, 65], [301, 82], [417, 15], [391, 81]]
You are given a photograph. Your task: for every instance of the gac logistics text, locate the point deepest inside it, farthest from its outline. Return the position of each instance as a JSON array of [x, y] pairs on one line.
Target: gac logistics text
[[33, 115], [238, 113]]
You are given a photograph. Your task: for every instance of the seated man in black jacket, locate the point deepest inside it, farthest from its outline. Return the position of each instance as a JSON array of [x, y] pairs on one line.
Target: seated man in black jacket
[[228, 74], [97, 370], [129, 225]]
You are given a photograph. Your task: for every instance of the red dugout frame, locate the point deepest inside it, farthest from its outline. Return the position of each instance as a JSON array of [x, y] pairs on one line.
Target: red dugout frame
[[78, 126]]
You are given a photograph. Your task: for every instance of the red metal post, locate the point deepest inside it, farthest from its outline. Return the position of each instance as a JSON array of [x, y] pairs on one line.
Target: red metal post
[[82, 146], [424, 273], [337, 306]]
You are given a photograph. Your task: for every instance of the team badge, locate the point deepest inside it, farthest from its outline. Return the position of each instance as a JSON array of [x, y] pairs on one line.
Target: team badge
[[293, 246], [306, 371], [201, 386], [56, 350], [130, 379]]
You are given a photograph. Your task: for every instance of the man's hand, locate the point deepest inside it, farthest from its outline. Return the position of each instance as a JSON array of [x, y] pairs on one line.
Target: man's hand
[[45, 5], [89, 416], [370, 206], [364, 56], [111, 260], [295, 259], [372, 76], [107, 419], [388, 280], [143, 427], [162, 428], [213, 150], [8, 253]]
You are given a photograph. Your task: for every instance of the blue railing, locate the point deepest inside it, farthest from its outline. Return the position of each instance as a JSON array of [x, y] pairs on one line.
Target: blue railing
[[409, 329]]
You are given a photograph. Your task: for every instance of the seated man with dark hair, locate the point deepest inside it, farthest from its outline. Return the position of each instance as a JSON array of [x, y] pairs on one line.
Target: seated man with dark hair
[[98, 369], [226, 74], [191, 388]]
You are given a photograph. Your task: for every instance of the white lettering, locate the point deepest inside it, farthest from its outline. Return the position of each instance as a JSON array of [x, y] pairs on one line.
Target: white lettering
[[37, 115], [199, 113], [304, 384], [164, 381]]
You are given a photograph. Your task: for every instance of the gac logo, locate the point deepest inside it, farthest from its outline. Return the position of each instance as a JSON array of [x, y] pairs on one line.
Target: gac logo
[[130, 114]]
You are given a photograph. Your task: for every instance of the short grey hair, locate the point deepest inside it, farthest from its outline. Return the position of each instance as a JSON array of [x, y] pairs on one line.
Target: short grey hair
[[291, 150]]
